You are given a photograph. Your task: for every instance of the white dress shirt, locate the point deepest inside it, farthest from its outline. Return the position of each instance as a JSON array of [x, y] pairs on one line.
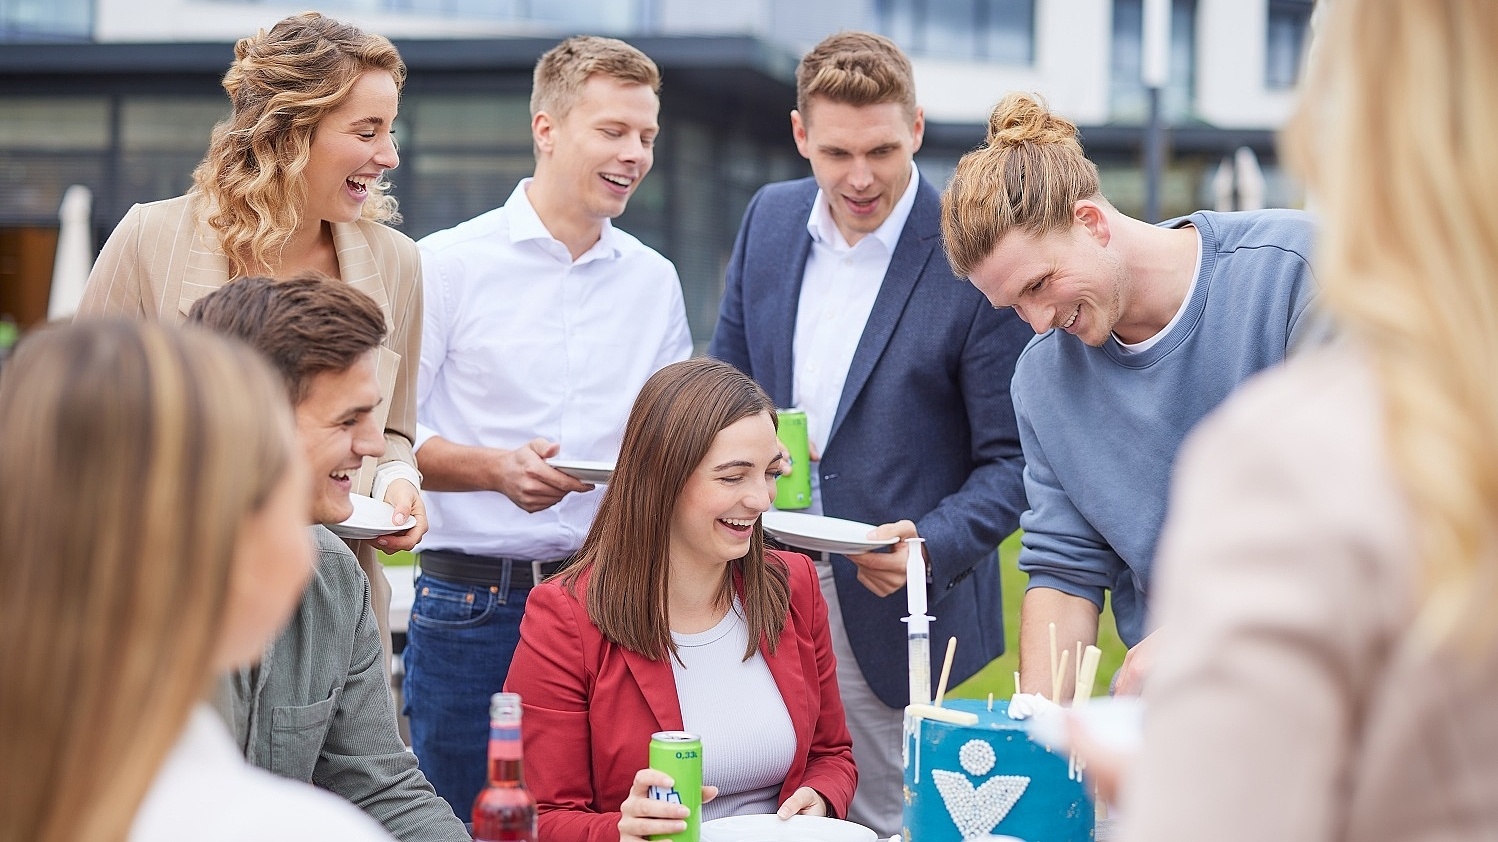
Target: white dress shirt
[[522, 341], [206, 790], [838, 290]]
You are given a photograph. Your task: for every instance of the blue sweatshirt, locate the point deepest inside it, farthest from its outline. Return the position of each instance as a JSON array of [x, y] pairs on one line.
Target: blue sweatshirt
[[1100, 428]]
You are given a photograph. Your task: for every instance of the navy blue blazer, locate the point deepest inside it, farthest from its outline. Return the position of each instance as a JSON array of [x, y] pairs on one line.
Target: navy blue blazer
[[925, 428]]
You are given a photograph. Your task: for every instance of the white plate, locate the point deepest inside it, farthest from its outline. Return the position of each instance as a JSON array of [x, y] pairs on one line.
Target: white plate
[[822, 534], [583, 469], [371, 519], [770, 828]]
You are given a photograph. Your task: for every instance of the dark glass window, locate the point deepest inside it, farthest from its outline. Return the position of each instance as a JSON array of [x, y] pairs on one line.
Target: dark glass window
[[994, 30], [46, 20], [1285, 41], [1129, 99]]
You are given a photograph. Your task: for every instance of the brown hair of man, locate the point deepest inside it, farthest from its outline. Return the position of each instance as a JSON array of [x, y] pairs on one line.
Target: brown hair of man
[[856, 68], [563, 70], [305, 326], [679, 412]]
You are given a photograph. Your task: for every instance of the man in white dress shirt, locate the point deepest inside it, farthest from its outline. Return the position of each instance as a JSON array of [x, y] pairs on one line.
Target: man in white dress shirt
[[542, 322]]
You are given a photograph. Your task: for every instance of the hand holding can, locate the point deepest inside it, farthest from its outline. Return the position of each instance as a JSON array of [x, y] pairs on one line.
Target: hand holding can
[[679, 754]]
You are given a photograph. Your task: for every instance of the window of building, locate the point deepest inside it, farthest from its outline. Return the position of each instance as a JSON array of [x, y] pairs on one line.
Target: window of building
[[46, 144], [1129, 99], [46, 20], [462, 154], [988, 30], [1285, 41], [162, 138], [584, 15]]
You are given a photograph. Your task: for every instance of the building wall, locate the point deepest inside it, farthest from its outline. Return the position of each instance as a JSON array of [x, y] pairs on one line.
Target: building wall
[[1231, 88]]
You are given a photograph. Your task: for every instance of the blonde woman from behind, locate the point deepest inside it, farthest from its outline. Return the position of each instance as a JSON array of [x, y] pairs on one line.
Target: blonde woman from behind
[[1330, 557], [159, 541]]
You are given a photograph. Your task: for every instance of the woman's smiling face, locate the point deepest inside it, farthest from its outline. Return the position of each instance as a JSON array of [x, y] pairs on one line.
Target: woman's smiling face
[[727, 492], [351, 148]]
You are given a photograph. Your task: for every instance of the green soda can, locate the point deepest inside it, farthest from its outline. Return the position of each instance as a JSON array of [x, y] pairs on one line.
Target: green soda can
[[679, 754], [793, 490]]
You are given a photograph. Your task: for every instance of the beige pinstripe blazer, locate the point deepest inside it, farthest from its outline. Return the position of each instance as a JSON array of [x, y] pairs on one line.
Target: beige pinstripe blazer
[[163, 256]]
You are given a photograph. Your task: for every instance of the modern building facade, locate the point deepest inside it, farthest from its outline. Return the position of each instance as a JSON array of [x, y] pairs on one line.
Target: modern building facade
[[120, 95]]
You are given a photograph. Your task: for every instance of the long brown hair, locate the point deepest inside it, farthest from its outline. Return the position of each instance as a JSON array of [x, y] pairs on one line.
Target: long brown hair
[[281, 85], [627, 553], [132, 454]]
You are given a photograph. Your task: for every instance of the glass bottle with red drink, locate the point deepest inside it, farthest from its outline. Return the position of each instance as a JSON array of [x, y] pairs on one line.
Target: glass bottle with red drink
[[505, 810]]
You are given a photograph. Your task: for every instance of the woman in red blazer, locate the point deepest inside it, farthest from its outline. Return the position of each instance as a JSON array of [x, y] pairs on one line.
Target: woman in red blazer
[[677, 551]]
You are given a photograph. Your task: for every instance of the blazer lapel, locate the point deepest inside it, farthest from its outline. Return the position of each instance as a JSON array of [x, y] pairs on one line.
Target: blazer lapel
[[358, 269], [205, 268], [785, 666], [912, 251], [658, 684], [789, 263]]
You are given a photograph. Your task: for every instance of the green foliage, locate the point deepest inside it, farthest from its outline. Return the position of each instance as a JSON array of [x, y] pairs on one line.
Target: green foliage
[[998, 677]]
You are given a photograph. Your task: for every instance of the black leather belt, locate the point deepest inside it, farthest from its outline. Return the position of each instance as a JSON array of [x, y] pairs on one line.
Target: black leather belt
[[487, 571]]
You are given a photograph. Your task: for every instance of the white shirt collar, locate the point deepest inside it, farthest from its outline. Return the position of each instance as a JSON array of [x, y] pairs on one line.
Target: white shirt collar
[[526, 224], [824, 230]]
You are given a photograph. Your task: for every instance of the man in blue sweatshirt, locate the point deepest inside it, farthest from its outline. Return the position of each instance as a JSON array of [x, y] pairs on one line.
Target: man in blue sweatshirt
[[1142, 330]]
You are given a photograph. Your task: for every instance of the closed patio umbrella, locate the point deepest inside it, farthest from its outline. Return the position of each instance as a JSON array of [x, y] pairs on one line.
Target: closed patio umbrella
[[75, 253]]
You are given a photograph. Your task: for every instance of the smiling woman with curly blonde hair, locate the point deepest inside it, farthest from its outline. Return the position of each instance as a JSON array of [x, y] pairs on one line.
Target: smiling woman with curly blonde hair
[[282, 84], [292, 182]]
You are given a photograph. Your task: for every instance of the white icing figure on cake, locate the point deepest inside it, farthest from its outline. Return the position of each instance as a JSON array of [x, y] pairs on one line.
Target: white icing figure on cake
[[978, 810]]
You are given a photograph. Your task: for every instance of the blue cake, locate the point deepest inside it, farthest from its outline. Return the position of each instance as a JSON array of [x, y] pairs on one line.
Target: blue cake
[[966, 781]]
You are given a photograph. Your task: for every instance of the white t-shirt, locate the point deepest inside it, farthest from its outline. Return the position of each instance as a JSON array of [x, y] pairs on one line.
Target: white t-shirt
[[719, 692], [205, 790]]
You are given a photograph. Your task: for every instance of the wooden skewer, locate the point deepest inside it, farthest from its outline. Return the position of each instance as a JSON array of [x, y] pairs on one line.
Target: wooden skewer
[[1086, 675], [946, 670], [1060, 671], [1055, 671], [1016, 682]]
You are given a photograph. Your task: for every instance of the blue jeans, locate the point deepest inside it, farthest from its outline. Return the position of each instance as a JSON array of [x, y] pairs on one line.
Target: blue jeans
[[458, 649]]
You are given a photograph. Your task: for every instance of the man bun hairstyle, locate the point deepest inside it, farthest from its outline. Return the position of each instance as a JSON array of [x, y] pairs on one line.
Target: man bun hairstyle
[[1027, 175]]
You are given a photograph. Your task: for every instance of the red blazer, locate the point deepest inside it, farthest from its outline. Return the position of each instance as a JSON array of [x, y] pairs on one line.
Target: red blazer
[[582, 756]]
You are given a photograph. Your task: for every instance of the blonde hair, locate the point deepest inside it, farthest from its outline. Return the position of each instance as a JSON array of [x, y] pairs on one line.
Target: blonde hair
[[562, 71], [1394, 138], [1028, 175], [855, 68], [281, 85], [132, 454]]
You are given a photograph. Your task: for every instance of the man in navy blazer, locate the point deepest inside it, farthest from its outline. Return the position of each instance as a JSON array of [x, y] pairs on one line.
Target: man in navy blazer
[[839, 301]]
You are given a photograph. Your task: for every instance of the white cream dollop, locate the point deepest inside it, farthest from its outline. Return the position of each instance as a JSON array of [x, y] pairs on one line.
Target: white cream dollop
[[1027, 705]]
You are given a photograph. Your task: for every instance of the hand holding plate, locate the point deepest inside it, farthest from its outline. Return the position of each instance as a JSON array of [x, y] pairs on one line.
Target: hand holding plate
[[884, 572]]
